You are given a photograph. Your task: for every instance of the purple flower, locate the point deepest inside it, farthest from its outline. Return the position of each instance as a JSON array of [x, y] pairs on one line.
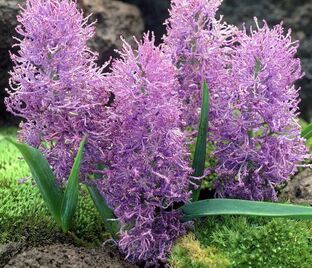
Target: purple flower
[[56, 86], [254, 103], [255, 126], [148, 170], [199, 45]]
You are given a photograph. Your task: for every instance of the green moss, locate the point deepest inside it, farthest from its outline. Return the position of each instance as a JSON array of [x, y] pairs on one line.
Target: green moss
[[22, 210], [188, 253], [240, 242], [258, 242], [217, 241]]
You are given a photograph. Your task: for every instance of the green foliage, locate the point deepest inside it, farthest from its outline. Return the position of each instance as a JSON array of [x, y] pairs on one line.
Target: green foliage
[[213, 207], [61, 205], [307, 132], [107, 215], [22, 207], [199, 158], [305, 129], [71, 194], [258, 242], [188, 253], [207, 182], [43, 176]]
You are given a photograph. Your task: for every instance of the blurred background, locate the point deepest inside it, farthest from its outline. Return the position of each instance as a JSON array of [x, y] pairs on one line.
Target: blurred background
[[133, 17]]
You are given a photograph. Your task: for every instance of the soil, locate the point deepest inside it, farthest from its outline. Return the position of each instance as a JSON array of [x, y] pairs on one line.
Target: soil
[[299, 189], [18, 255]]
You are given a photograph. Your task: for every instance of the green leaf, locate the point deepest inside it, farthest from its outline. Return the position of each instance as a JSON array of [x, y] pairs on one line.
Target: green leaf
[[105, 212], [257, 67], [43, 175], [201, 142], [307, 132], [213, 207], [70, 199]]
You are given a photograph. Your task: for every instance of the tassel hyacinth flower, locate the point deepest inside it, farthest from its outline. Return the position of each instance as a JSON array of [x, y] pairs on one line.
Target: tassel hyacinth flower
[[149, 170], [255, 128], [56, 87], [199, 45]]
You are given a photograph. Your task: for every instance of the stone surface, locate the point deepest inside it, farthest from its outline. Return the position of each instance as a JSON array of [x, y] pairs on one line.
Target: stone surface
[[299, 189], [8, 12], [8, 251], [67, 256], [154, 12], [114, 19]]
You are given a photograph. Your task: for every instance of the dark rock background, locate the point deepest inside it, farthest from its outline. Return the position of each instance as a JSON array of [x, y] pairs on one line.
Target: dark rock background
[[299, 189], [154, 12], [115, 18], [8, 12]]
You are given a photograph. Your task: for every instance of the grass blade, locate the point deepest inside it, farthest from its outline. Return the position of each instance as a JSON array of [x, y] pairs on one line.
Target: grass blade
[[307, 132], [106, 213], [43, 175], [201, 142], [213, 207], [70, 199]]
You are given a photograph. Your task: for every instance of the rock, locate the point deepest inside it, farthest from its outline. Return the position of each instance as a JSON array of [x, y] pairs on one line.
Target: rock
[[8, 11], [299, 189], [114, 19], [8, 251], [68, 256], [154, 12]]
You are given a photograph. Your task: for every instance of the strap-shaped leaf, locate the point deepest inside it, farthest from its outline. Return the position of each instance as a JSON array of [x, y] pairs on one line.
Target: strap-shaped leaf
[[105, 212], [213, 207], [201, 142], [307, 132], [70, 199], [107, 215], [43, 175]]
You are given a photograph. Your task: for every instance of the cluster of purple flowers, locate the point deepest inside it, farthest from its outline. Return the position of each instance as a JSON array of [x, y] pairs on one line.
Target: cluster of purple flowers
[[254, 103], [148, 169], [57, 87], [199, 45], [135, 115], [131, 116], [255, 127]]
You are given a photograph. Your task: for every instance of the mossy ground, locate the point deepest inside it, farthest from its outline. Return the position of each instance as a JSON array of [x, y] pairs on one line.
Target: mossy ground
[[23, 215], [240, 242], [236, 242], [246, 243]]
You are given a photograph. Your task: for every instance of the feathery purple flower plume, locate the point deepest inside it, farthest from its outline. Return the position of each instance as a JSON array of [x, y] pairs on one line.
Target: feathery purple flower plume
[[199, 45], [56, 86], [148, 171], [255, 127], [62, 96]]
